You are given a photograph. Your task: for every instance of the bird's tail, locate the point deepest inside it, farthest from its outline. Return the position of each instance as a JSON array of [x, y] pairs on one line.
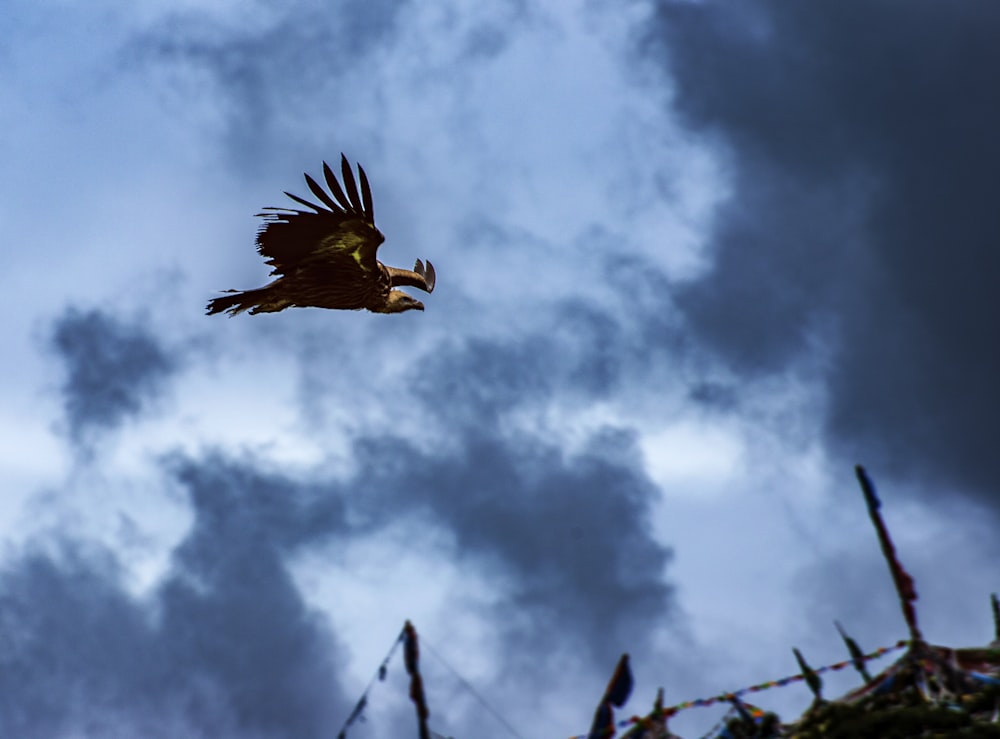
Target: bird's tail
[[238, 301]]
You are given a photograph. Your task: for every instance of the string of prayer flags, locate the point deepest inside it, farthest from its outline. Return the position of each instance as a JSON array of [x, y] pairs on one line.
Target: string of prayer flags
[[725, 697], [411, 657], [665, 713], [901, 578], [652, 725], [743, 713]]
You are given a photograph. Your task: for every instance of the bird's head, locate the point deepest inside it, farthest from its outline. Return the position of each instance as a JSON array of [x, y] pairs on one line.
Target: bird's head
[[399, 302]]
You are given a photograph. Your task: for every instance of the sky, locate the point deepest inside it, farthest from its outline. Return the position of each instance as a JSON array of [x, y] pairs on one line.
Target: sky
[[695, 261]]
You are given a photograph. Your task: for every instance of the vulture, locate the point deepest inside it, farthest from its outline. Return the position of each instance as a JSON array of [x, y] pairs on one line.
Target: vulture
[[326, 257]]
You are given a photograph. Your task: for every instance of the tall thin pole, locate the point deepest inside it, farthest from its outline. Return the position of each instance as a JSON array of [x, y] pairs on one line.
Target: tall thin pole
[[411, 657], [904, 583]]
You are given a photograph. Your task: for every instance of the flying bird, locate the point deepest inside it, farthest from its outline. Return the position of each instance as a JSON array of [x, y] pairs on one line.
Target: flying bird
[[326, 258]]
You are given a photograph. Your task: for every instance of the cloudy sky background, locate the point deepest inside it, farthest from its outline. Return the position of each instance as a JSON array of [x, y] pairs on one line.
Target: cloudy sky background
[[694, 262]]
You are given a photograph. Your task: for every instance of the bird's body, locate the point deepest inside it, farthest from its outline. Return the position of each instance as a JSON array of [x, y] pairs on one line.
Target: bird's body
[[327, 258]]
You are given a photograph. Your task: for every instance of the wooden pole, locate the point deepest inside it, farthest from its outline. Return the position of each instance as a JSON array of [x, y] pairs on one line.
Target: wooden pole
[[902, 580]]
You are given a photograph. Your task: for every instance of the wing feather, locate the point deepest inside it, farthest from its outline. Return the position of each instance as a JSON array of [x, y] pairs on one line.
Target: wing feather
[[340, 234], [366, 196], [281, 212], [351, 186], [305, 202], [331, 182], [320, 193]]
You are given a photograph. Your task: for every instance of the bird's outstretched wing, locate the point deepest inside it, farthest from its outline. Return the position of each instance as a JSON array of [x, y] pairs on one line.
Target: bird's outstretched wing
[[339, 233]]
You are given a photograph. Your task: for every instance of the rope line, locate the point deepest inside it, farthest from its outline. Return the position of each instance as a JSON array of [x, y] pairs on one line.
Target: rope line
[[472, 691], [405, 636], [359, 707], [722, 697], [728, 697]]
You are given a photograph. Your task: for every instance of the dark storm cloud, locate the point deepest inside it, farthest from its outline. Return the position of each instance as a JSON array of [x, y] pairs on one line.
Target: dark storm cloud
[[564, 536], [232, 612], [67, 626], [863, 141], [564, 533], [224, 647], [113, 369]]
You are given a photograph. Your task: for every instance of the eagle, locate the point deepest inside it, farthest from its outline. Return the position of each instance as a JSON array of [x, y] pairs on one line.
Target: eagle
[[326, 257]]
